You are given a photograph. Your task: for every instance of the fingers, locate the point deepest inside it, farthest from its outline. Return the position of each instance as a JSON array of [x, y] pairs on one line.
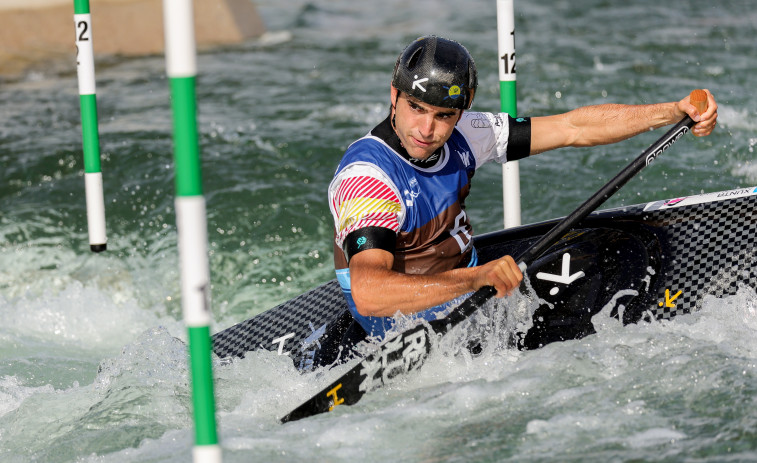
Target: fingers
[[505, 276], [705, 122], [703, 129]]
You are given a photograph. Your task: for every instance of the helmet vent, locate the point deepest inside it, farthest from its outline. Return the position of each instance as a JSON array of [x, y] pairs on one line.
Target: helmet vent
[[413, 61]]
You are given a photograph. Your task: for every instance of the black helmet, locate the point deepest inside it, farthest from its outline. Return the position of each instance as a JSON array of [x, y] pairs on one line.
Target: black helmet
[[437, 71]]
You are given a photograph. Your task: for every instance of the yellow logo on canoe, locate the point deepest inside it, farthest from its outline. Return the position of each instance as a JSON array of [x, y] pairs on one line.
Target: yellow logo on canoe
[[669, 300], [334, 399]]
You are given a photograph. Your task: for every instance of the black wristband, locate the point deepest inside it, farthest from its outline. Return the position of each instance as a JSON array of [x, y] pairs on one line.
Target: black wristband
[[519, 138], [369, 238]]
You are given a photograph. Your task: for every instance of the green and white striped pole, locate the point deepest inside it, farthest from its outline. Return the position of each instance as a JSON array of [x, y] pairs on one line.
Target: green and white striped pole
[[508, 101], [93, 179], [191, 222]]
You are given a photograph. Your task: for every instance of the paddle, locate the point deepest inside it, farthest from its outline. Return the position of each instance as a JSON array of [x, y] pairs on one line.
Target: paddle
[[408, 350]]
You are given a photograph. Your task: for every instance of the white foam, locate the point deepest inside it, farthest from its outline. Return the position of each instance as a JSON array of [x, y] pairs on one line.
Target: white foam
[[13, 393], [83, 315], [654, 437]]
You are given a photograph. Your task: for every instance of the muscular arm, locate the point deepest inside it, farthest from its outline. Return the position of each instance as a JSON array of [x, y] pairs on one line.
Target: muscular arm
[[379, 291], [610, 123]]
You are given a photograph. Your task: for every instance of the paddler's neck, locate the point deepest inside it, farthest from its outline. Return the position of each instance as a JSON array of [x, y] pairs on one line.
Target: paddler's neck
[[386, 132]]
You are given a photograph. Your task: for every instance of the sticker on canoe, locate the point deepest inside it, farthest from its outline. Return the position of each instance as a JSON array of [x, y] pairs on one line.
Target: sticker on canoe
[[565, 277], [699, 199]]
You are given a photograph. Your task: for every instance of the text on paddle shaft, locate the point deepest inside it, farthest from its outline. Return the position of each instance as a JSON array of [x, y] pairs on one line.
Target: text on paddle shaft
[[399, 355], [672, 139]]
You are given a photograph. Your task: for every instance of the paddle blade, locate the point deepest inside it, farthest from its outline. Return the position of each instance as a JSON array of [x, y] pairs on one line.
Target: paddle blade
[[698, 98], [396, 356]]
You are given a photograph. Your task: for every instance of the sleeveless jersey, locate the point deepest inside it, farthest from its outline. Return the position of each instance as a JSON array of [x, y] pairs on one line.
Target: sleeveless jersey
[[374, 186]]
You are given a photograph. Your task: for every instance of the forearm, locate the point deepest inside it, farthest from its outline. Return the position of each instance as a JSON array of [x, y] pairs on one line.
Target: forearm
[[599, 125], [379, 291], [382, 292], [611, 123]]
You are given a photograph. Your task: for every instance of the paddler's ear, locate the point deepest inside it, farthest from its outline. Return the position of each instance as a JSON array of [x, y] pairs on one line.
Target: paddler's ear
[[393, 92], [394, 95]]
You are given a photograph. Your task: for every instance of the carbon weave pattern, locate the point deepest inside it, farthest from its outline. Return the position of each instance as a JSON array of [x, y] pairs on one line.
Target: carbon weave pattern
[[710, 250], [299, 316]]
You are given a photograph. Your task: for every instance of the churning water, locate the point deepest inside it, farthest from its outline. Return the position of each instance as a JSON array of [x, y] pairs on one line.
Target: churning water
[[92, 359]]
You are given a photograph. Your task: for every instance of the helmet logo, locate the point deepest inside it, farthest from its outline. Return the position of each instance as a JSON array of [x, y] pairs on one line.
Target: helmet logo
[[418, 82], [454, 92]]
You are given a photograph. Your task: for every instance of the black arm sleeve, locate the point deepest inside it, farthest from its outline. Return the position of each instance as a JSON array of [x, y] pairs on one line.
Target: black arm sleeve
[[519, 138], [369, 238]]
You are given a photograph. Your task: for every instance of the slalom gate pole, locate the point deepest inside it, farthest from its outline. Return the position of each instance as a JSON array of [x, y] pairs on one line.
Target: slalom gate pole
[[508, 101], [191, 222], [93, 180]]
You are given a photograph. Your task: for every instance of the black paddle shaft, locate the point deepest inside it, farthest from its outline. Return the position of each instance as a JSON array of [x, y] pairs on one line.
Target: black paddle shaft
[[609, 189], [570, 221], [408, 350]]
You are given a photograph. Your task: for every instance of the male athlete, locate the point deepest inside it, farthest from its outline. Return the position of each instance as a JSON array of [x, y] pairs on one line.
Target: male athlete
[[403, 239]]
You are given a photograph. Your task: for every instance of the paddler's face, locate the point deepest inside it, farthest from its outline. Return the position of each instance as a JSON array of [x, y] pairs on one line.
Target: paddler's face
[[422, 128]]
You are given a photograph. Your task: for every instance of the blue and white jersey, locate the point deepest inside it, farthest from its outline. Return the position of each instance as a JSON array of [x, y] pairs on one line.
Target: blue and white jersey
[[375, 186]]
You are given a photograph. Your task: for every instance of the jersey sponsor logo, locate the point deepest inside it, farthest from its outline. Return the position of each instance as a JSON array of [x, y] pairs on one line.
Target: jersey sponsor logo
[[461, 233], [464, 156], [413, 193], [480, 122]]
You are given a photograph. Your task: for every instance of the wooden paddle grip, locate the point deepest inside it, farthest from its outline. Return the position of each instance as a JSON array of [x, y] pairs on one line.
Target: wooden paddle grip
[[698, 98]]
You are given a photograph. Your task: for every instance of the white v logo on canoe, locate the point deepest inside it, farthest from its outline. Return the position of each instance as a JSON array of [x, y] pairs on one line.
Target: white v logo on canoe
[[565, 277]]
